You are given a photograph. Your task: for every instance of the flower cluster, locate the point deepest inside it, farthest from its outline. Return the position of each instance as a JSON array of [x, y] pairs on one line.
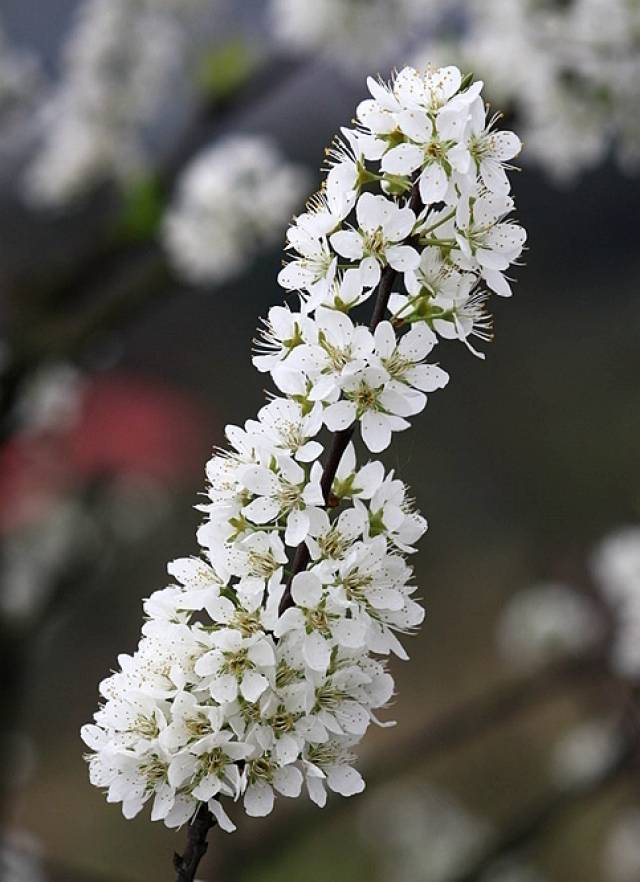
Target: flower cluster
[[117, 63], [351, 33], [568, 69], [262, 664], [548, 622], [616, 568], [232, 199]]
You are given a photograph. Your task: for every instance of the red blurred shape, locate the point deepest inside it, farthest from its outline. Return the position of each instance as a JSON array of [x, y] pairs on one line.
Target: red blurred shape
[[125, 425]]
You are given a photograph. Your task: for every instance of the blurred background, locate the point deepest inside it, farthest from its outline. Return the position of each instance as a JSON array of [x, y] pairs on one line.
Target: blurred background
[[152, 153]]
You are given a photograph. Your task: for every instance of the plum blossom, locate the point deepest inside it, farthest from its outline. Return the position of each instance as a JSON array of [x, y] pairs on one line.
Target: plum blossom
[[264, 661]]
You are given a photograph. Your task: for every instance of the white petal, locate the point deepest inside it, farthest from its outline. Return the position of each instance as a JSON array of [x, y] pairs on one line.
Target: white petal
[[316, 652], [306, 590], [297, 527], [345, 780], [376, 432], [224, 821], [402, 160], [340, 415], [288, 781], [286, 750], [347, 243], [349, 633], [258, 800], [224, 688], [433, 184], [316, 791], [403, 257], [252, 686]]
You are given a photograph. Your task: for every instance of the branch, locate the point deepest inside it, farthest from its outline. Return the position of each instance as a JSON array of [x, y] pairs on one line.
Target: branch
[[340, 440], [186, 865], [117, 260], [540, 815], [452, 730]]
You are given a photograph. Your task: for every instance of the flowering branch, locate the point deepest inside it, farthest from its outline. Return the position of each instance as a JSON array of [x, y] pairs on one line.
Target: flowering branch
[[263, 664], [341, 439]]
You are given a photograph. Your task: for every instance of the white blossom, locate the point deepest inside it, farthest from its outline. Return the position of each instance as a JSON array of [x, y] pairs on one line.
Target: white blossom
[[547, 622], [263, 663], [232, 200], [118, 62]]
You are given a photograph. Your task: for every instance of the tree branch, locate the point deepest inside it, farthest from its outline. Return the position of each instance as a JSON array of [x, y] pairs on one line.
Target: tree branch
[[451, 730], [186, 865], [539, 816], [340, 440]]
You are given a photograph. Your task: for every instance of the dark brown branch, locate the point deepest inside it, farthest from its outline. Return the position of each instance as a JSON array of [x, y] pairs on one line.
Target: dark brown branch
[[341, 439], [186, 865]]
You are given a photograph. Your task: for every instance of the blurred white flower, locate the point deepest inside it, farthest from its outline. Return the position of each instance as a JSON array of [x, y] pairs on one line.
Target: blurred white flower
[[233, 200], [585, 753], [118, 62], [20, 859], [421, 833], [570, 70], [354, 33], [35, 557], [616, 568], [51, 399], [621, 856], [547, 622]]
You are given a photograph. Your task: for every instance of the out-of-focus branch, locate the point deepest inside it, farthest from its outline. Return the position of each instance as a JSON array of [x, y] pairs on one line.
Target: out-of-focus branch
[[120, 280], [542, 815], [451, 730]]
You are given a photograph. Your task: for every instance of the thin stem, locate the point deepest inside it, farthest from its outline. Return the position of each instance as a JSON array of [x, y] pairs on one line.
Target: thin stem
[[437, 243], [341, 439], [447, 217], [187, 864]]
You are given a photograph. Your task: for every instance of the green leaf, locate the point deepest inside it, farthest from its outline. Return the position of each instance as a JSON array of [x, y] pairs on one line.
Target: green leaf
[[142, 209], [225, 69]]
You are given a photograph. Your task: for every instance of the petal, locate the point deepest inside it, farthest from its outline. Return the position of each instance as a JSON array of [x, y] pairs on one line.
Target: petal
[[262, 510], [224, 688], [258, 800], [316, 652], [348, 243], [494, 176], [349, 633], [306, 590], [286, 750], [224, 821], [345, 780], [402, 160], [497, 282], [505, 145], [433, 184], [340, 415], [260, 481], [403, 258], [288, 781], [252, 686], [316, 791], [297, 527], [375, 430]]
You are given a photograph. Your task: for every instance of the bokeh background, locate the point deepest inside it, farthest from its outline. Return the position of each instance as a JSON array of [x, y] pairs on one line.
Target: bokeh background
[[139, 245]]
